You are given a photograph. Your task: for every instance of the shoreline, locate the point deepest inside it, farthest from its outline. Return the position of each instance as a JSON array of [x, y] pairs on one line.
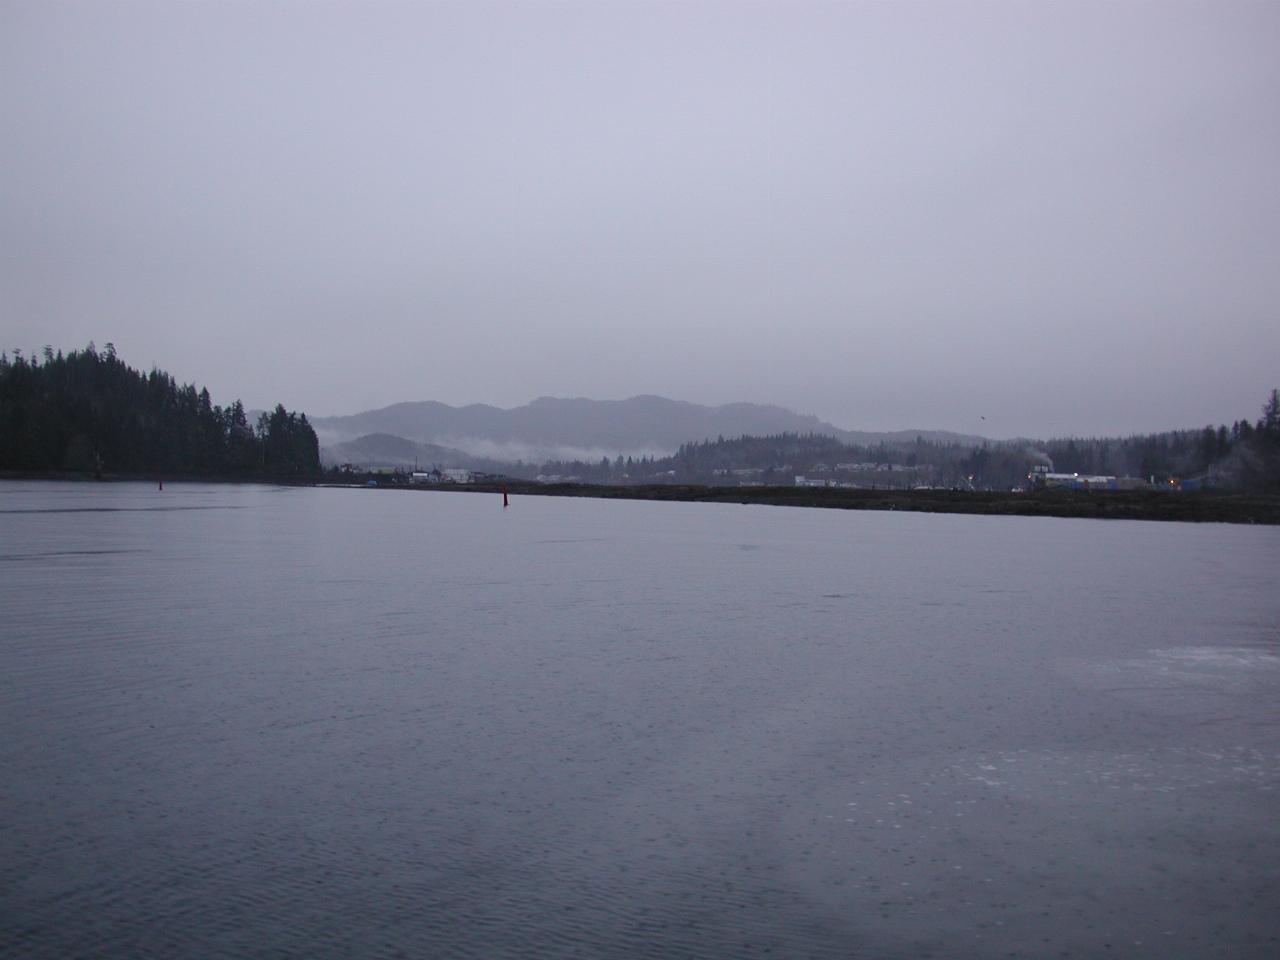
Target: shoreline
[[1192, 507], [71, 476], [1198, 507]]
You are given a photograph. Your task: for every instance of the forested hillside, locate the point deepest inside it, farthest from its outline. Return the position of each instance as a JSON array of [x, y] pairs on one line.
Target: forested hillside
[[88, 411], [1244, 456]]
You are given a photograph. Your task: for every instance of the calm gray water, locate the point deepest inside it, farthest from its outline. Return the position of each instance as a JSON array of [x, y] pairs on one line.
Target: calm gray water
[[246, 721]]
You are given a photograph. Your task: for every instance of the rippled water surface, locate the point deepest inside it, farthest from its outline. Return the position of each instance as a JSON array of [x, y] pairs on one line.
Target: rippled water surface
[[246, 721]]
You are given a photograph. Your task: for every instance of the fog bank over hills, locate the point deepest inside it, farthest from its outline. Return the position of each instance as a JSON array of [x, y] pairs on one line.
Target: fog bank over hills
[[578, 429]]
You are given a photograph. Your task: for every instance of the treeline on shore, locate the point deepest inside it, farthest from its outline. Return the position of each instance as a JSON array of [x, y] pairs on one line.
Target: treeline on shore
[[89, 412], [1242, 456]]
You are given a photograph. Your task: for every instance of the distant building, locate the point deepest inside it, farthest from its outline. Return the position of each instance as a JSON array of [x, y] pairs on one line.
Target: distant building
[[1074, 481]]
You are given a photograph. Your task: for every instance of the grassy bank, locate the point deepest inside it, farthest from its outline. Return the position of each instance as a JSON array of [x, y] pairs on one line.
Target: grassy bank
[[1200, 507]]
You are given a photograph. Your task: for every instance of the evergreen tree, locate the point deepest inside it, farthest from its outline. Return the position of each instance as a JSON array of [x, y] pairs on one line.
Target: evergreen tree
[[88, 411]]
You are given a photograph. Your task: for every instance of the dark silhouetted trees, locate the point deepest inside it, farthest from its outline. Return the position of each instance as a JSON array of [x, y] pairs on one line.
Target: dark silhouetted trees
[[90, 412], [1245, 455]]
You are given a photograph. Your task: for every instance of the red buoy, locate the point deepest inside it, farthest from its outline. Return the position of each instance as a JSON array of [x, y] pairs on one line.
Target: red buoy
[[504, 498]]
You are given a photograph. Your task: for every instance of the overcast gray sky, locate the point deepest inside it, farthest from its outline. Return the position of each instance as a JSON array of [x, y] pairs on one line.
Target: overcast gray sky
[[1063, 217]]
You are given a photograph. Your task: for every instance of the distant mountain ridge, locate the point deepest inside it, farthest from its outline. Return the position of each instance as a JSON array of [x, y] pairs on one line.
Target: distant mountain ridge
[[579, 428]]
